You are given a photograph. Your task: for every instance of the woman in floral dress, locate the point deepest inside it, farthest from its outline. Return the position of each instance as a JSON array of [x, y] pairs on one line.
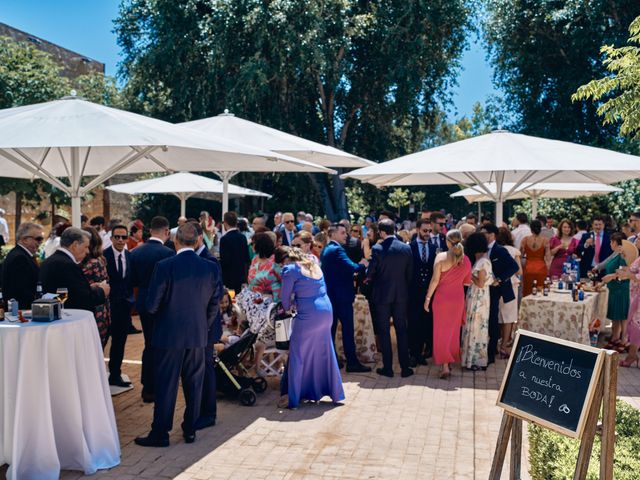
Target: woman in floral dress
[[475, 333], [632, 274], [94, 268]]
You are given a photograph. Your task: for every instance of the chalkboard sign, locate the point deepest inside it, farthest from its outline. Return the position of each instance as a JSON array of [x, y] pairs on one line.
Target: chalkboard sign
[[550, 382]]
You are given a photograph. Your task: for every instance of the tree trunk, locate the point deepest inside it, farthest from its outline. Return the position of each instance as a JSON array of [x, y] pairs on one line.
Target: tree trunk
[[53, 211], [339, 197], [18, 220], [320, 183]]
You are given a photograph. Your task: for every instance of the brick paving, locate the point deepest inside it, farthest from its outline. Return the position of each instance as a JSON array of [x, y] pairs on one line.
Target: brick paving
[[421, 427]]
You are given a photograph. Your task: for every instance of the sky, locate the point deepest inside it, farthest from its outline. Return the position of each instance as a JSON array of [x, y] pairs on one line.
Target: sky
[[85, 26]]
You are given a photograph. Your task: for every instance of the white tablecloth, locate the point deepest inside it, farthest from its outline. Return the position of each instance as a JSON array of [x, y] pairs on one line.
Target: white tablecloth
[[55, 407]]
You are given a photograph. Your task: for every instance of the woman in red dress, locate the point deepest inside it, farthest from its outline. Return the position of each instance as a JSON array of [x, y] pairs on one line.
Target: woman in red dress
[[451, 272], [535, 248]]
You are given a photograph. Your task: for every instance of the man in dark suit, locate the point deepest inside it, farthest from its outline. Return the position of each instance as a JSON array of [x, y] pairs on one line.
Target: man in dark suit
[[120, 299], [390, 274], [143, 261], [288, 229], [420, 321], [184, 296], [208, 407], [20, 268], [338, 272], [61, 270], [234, 254], [437, 239], [594, 246], [504, 267]]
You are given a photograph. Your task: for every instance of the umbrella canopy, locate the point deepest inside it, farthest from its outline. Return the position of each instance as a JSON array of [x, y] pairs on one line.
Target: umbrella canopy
[[72, 138], [238, 129], [534, 191], [183, 185], [502, 157]]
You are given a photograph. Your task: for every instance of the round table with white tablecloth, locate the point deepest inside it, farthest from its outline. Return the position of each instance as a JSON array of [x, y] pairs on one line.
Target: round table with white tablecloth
[[55, 408]]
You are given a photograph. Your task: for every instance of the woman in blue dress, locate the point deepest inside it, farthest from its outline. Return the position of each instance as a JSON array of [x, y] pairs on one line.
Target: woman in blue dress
[[312, 370]]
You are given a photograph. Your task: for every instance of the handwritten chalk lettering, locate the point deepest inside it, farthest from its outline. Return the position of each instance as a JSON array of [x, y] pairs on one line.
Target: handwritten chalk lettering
[[543, 398], [549, 383], [564, 409], [528, 354], [523, 376]]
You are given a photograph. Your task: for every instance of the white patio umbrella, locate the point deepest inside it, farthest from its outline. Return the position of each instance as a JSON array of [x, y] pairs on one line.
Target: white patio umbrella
[[502, 157], [183, 185], [238, 129], [535, 192], [72, 138]]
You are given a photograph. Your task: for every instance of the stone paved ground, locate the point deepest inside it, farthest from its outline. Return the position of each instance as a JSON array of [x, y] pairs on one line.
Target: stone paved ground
[[421, 427]]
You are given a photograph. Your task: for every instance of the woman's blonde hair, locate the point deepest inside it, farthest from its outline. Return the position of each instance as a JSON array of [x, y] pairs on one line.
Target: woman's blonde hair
[[306, 261], [305, 236], [456, 252]]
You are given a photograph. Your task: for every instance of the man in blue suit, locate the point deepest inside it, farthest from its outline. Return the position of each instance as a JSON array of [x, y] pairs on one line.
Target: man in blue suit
[[208, 408], [390, 275], [338, 272], [594, 246], [504, 267], [121, 300], [143, 261], [184, 296]]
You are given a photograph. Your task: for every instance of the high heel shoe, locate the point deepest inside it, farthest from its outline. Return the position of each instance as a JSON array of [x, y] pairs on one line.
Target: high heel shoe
[[504, 354], [445, 375], [628, 362]]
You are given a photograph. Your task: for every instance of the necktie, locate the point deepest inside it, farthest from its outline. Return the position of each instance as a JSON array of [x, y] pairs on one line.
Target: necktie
[[598, 245], [423, 253], [120, 266]]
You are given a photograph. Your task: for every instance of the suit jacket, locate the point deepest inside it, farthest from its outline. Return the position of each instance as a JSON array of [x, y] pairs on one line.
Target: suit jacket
[[285, 238], [504, 267], [215, 332], [184, 297], [353, 247], [422, 272], [143, 261], [338, 270], [234, 259], [60, 271], [443, 243], [20, 277], [390, 271], [121, 288], [587, 253]]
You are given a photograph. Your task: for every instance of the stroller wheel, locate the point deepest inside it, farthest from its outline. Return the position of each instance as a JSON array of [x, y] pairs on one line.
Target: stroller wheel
[[259, 384], [247, 397]]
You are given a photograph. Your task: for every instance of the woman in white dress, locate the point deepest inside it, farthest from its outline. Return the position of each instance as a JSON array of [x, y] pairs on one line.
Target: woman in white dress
[[509, 311], [475, 332]]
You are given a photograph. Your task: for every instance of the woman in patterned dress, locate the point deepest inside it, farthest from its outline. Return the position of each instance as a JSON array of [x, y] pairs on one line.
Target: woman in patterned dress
[[475, 333], [94, 268], [632, 274]]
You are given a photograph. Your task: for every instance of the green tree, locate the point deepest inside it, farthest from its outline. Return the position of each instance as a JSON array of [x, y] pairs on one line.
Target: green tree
[[398, 198], [358, 207], [361, 76], [418, 198], [543, 50], [618, 94]]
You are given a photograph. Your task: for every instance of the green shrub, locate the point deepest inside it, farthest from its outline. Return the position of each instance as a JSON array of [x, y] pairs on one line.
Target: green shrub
[[553, 456]]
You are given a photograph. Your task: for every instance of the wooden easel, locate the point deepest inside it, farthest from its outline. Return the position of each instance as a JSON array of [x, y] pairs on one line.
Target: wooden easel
[[605, 395]]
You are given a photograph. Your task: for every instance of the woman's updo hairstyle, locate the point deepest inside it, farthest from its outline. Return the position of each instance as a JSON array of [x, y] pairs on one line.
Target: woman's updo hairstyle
[[457, 250], [536, 227]]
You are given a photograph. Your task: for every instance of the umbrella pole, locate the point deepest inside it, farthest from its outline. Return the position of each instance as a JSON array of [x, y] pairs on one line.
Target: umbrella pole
[[183, 205], [499, 197], [76, 200], [225, 176], [479, 211], [534, 206]]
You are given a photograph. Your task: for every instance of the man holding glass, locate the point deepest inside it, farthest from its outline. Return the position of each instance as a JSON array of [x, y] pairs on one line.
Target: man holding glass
[[62, 270]]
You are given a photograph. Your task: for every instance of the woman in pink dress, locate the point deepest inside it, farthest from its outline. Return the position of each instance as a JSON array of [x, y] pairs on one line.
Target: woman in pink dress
[[561, 247], [451, 272]]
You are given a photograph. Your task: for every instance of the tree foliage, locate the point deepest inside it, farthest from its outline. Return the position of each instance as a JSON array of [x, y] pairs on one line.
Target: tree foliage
[[398, 198], [618, 93], [543, 50], [362, 76]]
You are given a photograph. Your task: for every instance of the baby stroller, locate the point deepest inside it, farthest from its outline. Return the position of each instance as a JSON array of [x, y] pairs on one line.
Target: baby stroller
[[231, 358]]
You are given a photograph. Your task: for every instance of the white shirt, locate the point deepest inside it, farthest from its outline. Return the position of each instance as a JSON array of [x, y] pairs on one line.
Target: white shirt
[[117, 254], [579, 234], [490, 247], [69, 254], [4, 229], [185, 249], [106, 239], [156, 239], [520, 232], [201, 249], [26, 250]]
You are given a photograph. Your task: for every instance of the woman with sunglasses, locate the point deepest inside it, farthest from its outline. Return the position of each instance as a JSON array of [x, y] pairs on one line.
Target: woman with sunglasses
[[304, 241]]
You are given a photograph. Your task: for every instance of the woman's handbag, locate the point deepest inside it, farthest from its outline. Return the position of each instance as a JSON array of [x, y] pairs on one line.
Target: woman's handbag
[[283, 323]]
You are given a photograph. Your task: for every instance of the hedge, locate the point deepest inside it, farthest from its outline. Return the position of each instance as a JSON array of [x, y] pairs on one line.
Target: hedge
[[553, 456]]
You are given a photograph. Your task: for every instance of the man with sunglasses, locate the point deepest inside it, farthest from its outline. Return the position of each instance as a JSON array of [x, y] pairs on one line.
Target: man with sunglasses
[[20, 269], [289, 229], [121, 299]]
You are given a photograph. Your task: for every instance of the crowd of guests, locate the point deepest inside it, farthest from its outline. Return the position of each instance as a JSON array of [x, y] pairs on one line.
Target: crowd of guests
[[451, 287]]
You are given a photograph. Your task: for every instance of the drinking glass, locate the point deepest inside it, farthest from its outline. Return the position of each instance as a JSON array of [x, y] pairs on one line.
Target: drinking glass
[[63, 295], [232, 294]]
